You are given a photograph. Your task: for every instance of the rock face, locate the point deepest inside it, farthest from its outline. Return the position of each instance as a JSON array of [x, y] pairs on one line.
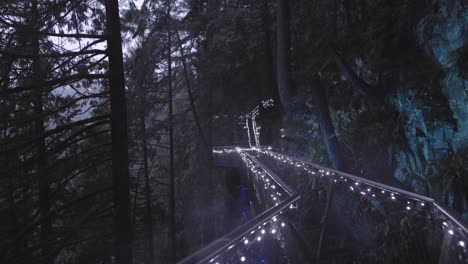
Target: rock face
[[430, 124], [442, 33]]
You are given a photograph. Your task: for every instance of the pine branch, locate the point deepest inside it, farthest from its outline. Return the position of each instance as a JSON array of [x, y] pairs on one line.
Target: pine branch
[[77, 35], [62, 81], [52, 55]]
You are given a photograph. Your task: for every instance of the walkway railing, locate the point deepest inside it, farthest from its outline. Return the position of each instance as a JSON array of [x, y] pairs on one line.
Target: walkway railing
[[368, 222], [242, 244], [373, 221]]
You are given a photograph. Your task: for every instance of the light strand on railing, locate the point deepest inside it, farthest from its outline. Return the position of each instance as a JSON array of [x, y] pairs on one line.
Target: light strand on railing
[[269, 228], [253, 117], [364, 190], [248, 131]]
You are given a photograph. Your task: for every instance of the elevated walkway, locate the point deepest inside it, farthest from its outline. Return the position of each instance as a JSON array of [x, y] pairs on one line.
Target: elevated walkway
[[312, 214]]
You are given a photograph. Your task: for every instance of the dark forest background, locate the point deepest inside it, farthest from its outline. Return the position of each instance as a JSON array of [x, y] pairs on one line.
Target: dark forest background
[[377, 88]]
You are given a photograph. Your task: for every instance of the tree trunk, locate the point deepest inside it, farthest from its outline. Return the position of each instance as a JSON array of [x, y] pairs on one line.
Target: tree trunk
[[172, 230], [325, 124], [331, 145], [270, 120], [190, 95], [44, 188], [120, 174], [149, 258], [282, 55]]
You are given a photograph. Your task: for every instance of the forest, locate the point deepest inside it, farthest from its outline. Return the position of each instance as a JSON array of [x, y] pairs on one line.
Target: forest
[[109, 112]]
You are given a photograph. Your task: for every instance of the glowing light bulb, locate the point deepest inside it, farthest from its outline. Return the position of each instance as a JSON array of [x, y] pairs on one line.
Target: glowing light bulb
[[283, 224], [408, 208], [450, 232], [461, 243], [273, 231], [242, 258], [259, 238], [246, 241]]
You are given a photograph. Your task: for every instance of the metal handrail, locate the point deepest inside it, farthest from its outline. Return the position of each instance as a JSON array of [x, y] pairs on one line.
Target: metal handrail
[[275, 177], [224, 243], [451, 215]]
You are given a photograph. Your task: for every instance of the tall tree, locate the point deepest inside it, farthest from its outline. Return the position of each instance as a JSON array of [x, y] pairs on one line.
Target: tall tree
[[282, 54], [120, 173], [44, 188], [172, 224], [189, 92], [141, 82]]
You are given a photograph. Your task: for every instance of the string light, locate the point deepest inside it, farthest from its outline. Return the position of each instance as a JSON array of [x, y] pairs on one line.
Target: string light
[[248, 131], [372, 190]]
